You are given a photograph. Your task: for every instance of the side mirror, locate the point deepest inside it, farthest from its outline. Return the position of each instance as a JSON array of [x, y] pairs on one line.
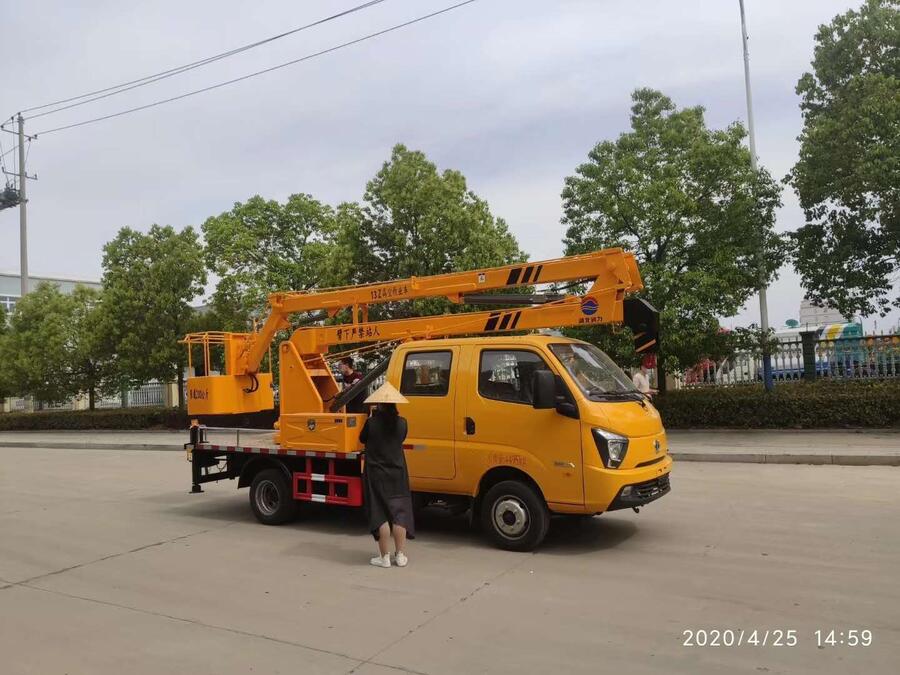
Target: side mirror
[[567, 409], [543, 386], [565, 404]]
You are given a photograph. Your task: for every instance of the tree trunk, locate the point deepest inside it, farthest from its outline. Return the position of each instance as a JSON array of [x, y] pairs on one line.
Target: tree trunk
[[180, 389], [660, 375], [92, 397]]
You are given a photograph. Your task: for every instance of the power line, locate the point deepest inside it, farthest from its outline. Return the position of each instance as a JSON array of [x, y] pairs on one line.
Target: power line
[[261, 72], [156, 77]]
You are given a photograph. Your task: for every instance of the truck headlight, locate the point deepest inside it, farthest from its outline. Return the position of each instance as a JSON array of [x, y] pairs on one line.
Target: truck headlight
[[612, 447]]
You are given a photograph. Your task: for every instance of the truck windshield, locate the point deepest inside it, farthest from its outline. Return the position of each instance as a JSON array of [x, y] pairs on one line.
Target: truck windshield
[[594, 372]]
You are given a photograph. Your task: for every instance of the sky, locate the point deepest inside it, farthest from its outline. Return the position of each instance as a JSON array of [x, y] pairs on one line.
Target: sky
[[513, 93]]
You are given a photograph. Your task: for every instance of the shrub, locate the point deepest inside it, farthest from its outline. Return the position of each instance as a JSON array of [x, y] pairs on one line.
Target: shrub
[[799, 405], [124, 418], [127, 419]]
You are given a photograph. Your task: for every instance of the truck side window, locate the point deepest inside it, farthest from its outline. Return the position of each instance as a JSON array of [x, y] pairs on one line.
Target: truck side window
[[426, 374], [505, 375]]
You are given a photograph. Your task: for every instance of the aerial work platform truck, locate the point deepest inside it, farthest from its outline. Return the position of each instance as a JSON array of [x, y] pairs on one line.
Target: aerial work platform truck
[[506, 423]]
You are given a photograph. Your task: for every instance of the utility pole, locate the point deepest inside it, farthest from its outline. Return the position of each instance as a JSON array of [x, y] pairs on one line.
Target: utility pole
[[763, 305], [23, 213]]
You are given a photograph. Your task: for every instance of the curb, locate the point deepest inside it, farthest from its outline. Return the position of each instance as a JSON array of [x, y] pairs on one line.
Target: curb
[[808, 459], [74, 445]]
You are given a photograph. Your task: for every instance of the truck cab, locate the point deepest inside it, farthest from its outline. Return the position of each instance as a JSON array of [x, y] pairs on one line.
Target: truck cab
[[527, 426]]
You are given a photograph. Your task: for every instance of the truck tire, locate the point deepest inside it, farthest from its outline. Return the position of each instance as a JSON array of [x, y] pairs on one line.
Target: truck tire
[[515, 516], [271, 498]]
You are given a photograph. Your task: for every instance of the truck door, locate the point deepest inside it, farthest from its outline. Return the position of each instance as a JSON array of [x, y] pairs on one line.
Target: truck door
[[428, 379], [501, 423]]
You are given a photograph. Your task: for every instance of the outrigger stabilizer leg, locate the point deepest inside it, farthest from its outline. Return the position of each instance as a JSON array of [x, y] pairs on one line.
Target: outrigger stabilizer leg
[[195, 464]]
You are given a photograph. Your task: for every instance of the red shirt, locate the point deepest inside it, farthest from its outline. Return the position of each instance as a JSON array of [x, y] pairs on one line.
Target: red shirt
[[352, 378]]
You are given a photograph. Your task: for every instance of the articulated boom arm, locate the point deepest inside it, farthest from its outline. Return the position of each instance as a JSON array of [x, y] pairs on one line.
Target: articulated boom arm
[[306, 382], [610, 269]]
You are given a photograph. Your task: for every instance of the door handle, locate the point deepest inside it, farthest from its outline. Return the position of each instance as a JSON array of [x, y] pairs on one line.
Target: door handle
[[470, 426]]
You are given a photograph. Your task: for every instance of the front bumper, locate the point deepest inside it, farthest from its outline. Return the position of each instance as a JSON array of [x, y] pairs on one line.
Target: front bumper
[[642, 493]]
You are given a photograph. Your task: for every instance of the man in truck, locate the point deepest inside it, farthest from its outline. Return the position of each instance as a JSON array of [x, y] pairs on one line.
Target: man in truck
[[350, 377]]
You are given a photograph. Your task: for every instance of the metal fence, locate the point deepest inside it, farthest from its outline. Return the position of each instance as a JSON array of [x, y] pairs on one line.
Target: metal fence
[[68, 405], [863, 358], [152, 394]]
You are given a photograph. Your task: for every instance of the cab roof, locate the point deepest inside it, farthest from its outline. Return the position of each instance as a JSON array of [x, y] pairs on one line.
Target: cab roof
[[533, 339]]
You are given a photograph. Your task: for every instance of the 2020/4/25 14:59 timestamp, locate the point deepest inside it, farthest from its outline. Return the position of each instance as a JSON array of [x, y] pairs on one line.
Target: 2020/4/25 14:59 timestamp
[[853, 637]]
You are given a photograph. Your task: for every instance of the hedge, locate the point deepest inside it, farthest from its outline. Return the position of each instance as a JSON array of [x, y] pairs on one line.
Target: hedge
[[126, 418], [796, 405], [118, 418]]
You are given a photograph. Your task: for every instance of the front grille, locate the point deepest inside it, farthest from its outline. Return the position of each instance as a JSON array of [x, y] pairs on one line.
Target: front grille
[[651, 488], [640, 493]]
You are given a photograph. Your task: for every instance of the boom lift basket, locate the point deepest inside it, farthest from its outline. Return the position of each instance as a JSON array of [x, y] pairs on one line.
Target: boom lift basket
[[225, 393]]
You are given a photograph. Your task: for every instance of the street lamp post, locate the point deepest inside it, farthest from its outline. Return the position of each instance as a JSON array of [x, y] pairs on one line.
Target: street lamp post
[[763, 305]]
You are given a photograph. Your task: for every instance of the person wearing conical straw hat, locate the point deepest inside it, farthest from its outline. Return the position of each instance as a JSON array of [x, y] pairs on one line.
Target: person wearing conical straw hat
[[388, 499]]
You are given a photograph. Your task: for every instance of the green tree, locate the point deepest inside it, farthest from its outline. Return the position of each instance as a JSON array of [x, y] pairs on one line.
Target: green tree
[[685, 200], [261, 246], [149, 282], [416, 221], [91, 357], [848, 174], [49, 351], [6, 388], [36, 346]]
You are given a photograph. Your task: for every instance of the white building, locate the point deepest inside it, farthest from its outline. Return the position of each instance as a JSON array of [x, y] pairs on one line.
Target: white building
[[11, 287], [812, 314]]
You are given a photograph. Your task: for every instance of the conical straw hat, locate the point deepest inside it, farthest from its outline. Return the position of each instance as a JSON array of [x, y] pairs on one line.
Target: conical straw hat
[[386, 393]]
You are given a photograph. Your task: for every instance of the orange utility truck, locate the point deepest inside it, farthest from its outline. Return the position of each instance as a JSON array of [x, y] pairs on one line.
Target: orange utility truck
[[505, 422]]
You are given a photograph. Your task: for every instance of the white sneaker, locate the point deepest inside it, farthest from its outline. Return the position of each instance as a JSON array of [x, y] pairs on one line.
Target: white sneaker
[[381, 560], [400, 559]]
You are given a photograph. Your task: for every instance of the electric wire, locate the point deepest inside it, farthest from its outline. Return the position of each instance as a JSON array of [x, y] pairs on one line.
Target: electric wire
[[156, 77], [308, 57], [2, 163]]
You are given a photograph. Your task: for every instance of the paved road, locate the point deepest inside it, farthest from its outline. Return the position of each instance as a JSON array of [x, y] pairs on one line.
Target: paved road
[[107, 565]]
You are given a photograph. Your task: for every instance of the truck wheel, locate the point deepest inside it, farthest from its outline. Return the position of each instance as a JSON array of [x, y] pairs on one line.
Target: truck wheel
[[271, 498], [515, 516]]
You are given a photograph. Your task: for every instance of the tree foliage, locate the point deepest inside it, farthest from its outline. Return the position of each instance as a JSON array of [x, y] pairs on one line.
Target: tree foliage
[[416, 221], [92, 359], [149, 282], [5, 383], [685, 200], [261, 246], [50, 351], [848, 173]]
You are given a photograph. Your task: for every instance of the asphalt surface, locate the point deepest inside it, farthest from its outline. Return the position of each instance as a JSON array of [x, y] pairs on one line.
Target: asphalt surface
[[108, 565], [848, 448]]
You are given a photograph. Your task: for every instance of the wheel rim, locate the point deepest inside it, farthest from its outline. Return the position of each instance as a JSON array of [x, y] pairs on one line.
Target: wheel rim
[[267, 497], [510, 517]]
